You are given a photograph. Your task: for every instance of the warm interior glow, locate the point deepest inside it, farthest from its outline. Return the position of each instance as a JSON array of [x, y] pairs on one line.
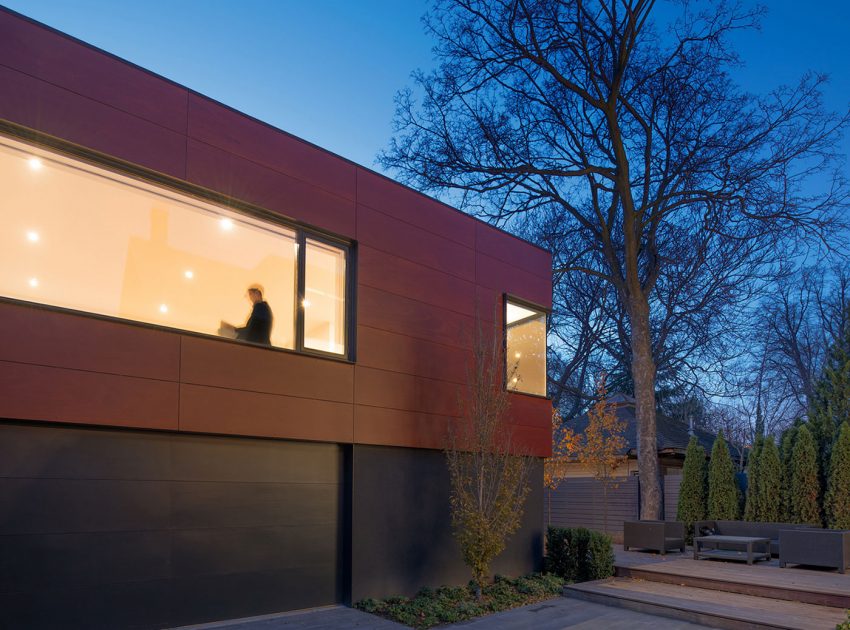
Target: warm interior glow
[[35, 163], [117, 246], [324, 320], [515, 312], [526, 344]]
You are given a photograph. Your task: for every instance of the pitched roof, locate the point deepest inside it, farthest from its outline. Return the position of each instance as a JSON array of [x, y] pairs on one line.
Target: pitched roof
[[671, 435]]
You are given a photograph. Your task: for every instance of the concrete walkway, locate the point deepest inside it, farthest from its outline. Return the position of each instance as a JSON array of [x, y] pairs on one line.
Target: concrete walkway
[[553, 614]]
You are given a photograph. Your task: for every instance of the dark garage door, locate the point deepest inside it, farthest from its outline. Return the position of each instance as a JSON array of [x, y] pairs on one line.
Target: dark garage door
[[111, 528]]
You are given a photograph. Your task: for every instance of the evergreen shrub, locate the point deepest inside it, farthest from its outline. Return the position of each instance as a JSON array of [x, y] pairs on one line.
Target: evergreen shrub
[[579, 554]]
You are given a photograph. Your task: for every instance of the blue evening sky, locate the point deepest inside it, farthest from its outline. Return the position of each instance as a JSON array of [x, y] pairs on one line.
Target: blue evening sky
[[327, 70]]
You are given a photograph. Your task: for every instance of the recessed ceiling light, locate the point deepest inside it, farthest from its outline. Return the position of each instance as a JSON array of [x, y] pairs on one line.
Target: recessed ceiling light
[[517, 355], [163, 308], [32, 236], [305, 303], [35, 163], [189, 274], [33, 282], [226, 224]]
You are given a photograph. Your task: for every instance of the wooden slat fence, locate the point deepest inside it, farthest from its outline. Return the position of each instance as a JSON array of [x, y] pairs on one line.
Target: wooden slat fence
[[671, 496], [580, 501]]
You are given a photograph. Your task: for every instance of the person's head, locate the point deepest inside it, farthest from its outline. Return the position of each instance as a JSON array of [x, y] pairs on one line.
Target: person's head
[[255, 293]]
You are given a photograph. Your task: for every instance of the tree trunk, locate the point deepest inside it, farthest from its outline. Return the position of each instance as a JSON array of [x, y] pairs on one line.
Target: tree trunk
[[643, 374]]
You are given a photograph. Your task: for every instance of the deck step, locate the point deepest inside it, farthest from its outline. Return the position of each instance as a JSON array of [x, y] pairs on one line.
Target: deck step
[[708, 607], [809, 586]]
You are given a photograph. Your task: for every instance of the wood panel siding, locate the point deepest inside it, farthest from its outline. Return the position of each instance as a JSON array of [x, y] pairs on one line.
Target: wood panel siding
[[426, 272], [581, 502], [671, 496]]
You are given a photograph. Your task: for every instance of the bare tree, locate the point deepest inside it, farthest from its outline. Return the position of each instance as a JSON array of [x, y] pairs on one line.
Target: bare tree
[[490, 477], [671, 184]]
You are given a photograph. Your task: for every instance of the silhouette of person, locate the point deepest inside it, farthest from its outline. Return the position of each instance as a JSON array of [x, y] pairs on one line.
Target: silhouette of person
[[258, 328]]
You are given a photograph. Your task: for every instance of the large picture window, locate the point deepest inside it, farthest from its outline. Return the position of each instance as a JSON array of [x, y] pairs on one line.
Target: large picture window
[[525, 348], [81, 237]]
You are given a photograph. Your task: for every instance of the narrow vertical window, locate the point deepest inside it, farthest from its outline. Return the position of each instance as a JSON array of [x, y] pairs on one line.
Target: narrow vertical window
[[324, 297], [525, 348]]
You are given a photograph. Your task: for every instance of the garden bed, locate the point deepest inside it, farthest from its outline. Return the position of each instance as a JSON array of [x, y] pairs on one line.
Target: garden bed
[[449, 604]]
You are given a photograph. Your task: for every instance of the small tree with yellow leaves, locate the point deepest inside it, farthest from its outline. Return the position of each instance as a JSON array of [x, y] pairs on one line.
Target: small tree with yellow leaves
[[602, 446], [489, 474], [564, 441]]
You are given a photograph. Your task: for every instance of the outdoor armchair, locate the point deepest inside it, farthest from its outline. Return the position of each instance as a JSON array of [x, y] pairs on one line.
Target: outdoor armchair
[[815, 547], [661, 536]]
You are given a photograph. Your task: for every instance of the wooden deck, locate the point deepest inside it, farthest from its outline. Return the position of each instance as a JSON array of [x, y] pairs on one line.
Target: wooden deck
[[813, 586], [712, 608], [722, 594]]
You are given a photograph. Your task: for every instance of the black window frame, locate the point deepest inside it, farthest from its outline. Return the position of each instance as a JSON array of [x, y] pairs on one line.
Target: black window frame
[[303, 231], [546, 312]]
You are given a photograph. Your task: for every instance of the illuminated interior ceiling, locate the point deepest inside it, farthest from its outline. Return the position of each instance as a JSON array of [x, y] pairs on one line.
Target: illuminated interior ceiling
[[515, 313], [81, 237], [525, 361]]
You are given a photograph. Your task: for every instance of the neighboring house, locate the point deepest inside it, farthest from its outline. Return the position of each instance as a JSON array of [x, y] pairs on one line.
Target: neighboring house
[[580, 500], [672, 437], [156, 472]]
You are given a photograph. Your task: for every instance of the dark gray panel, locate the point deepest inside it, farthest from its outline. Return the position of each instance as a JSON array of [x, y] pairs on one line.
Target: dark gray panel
[[245, 550], [204, 504], [223, 527], [76, 453], [29, 506], [46, 561], [207, 458], [401, 525]]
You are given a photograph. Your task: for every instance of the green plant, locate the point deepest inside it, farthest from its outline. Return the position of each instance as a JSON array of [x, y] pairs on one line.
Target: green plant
[[752, 508], [579, 554], [805, 481], [836, 502], [723, 490], [770, 483], [450, 604], [489, 475], [692, 492], [789, 436], [830, 406], [844, 625], [602, 446]]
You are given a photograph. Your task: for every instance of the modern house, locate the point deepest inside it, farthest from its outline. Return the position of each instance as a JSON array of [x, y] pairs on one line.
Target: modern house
[[154, 470]]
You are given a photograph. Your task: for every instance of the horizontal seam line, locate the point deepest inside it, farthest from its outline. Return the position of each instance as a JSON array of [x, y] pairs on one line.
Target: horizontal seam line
[[267, 167], [95, 100], [173, 382]]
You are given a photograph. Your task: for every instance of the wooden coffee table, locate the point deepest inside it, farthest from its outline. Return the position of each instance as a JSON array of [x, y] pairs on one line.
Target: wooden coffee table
[[747, 542]]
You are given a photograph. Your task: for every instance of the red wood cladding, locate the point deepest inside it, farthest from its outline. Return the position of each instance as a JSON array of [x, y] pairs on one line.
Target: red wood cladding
[[37, 392], [235, 133], [236, 366], [426, 274], [245, 180], [40, 337], [236, 412], [53, 110], [78, 68]]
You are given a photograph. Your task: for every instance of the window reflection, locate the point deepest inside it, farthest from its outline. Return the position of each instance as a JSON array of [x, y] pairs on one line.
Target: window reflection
[[324, 298], [525, 349]]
